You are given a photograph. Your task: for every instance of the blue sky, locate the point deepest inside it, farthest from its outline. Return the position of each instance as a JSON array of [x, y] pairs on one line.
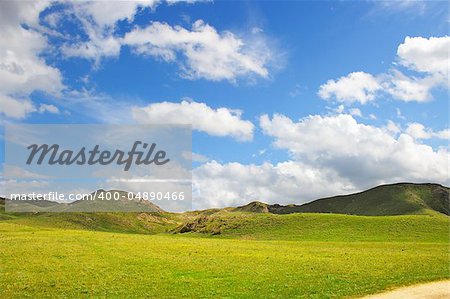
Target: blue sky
[[331, 95]]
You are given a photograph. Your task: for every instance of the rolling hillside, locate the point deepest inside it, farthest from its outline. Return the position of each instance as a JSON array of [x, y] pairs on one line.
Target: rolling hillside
[[416, 208], [269, 221], [129, 222], [216, 252], [394, 199]]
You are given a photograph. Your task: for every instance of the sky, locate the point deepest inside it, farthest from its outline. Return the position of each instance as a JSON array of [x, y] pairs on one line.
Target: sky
[[289, 101]]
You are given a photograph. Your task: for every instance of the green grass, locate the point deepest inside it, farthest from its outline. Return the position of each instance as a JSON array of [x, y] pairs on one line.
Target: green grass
[[394, 199], [233, 252], [255, 256], [326, 227], [143, 223]]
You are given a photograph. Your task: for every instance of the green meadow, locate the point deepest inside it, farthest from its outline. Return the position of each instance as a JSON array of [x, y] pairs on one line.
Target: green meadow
[[254, 256]]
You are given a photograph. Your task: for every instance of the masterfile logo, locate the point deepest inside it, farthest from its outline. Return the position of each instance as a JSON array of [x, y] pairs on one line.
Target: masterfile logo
[[53, 155], [147, 162]]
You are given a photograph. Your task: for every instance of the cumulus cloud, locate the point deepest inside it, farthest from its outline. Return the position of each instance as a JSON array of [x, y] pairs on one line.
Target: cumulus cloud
[[16, 107], [355, 87], [108, 15], [206, 53], [22, 69], [430, 55], [329, 155], [200, 51], [98, 47], [427, 56], [231, 184], [358, 152], [419, 131], [48, 108], [99, 22], [216, 122], [409, 88], [393, 127]]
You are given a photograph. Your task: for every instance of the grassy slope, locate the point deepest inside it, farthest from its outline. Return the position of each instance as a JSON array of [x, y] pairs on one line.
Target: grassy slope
[[324, 227], [254, 254], [383, 200], [396, 199], [144, 223]]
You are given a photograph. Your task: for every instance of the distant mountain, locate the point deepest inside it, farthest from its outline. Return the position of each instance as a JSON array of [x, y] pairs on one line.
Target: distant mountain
[[126, 202], [145, 222], [119, 201], [412, 207], [255, 217], [384, 200]]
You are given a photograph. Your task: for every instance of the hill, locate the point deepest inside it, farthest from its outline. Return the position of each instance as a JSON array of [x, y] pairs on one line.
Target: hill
[[384, 200], [270, 221], [412, 204], [157, 221], [100, 200]]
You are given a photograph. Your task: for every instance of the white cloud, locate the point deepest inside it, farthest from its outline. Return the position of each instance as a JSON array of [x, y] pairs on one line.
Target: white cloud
[[199, 157], [48, 108], [108, 13], [339, 109], [16, 107], [419, 131], [329, 155], [216, 122], [97, 47], [358, 152], [428, 56], [200, 52], [22, 69], [355, 87], [355, 112], [410, 88], [205, 52], [99, 20], [194, 157], [97, 106], [392, 127], [231, 184], [444, 134]]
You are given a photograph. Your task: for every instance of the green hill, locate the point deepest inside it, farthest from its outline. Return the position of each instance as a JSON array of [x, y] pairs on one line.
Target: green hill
[[320, 227], [122, 202], [261, 219], [417, 208], [384, 200], [128, 222], [394, 199]]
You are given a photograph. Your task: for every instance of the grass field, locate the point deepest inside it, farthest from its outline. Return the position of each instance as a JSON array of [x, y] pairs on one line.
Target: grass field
[[255, 256]]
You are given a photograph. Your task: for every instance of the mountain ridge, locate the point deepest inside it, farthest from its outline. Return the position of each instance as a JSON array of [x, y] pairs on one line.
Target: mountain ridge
[[387, 199], [383, 200], [400, 199]]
